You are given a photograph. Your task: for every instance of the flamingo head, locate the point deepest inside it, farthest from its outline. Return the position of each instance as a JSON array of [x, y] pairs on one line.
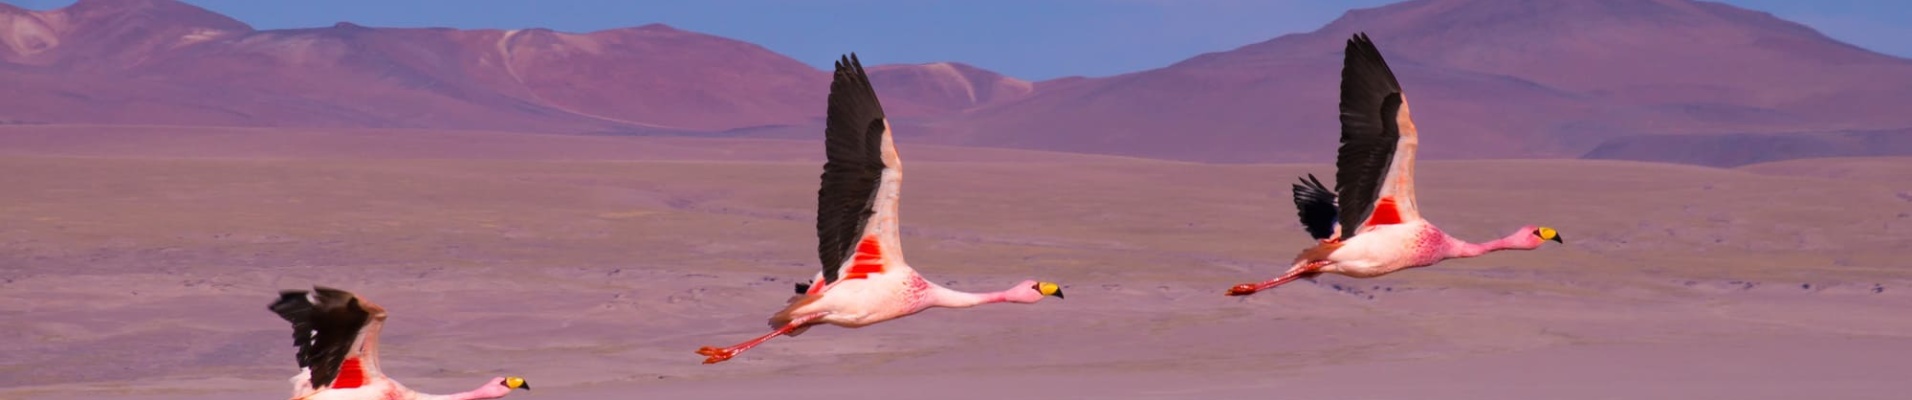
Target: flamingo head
[[501, 386], [1032, 291], [1532, 236]]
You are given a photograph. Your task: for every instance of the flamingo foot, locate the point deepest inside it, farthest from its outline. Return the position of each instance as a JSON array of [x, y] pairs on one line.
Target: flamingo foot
[[715, 355], [1308, 270]]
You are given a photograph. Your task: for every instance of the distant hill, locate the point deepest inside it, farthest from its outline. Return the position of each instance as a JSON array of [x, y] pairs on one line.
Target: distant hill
[[167, 62], [1488, 79]]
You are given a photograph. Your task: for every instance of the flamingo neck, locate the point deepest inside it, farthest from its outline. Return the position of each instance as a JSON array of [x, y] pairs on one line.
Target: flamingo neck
[[1457, 248], [475, 394], [951, 298]]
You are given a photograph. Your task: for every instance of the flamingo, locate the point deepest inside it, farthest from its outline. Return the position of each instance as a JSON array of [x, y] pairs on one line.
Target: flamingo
[[1379, 229], [337, 335], [864, 279]]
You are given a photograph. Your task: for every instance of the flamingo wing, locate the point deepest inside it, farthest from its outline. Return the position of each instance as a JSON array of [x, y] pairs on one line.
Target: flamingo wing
[[1314, 203], [856, 206], [1374, 177], [331, 327]]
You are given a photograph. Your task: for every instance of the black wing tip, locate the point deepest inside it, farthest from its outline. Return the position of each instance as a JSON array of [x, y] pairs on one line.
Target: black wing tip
[[1315, 205], [298, 306], [850, 65], [1314, 182], [1311, 183], [290, 304], [1361, 55], [301, 295], [1360, 43], [851, 79]]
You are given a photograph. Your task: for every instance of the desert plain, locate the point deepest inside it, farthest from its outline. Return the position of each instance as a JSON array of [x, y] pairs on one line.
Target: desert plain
[[136, 263]]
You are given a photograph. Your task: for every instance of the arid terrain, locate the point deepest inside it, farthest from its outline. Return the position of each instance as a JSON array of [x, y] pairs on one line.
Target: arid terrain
[[585, 209], [136, 262]]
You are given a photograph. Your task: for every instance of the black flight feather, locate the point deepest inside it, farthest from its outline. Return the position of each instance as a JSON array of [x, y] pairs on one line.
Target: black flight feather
[[853, 143], [324, 331], [1315, 205], [1370, 98]]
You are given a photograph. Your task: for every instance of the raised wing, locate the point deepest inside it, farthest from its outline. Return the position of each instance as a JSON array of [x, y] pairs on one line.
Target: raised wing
[[1374, 174], [336, 332], [856, 207], [1315, 205]]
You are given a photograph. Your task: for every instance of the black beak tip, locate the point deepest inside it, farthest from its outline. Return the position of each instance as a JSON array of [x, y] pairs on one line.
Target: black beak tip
[[526, 386], [1059, 294], [1560, 240]]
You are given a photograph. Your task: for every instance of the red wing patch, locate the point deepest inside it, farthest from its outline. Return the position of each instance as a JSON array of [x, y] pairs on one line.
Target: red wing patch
[[350, 375], [868, 259], [1385, 213]]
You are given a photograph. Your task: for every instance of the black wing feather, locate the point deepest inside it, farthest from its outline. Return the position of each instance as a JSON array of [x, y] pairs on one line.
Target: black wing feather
[[1315, 205], [853, 141], [1370, 98], [323, 331]]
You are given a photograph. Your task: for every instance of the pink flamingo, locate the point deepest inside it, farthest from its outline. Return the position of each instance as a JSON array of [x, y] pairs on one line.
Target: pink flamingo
[[337, 335], [864, 279], [1380, 230]]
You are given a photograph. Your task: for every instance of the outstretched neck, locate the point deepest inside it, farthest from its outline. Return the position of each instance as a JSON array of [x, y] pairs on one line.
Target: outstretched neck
[[1457, 248], [952, 298], [478, 394]]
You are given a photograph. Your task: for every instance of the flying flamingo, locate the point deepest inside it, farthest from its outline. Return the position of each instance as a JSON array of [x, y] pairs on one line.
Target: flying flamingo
[[864, 279], [337, 335], [1380, 228]]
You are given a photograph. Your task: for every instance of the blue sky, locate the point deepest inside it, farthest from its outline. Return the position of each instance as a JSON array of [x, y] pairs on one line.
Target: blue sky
[[1029, 39]]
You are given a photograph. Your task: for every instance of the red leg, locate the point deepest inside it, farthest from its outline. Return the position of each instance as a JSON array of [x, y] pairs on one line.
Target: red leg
[[716, 355], [1296, 273]]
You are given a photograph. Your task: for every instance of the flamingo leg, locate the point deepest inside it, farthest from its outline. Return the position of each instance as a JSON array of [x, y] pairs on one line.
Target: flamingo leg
[[716, 355], [1297, 273]]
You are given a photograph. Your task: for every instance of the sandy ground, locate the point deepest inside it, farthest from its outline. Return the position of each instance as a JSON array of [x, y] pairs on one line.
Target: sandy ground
[[144, 271]]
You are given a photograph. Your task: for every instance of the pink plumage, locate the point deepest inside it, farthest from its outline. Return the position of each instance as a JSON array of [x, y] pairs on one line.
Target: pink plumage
[[864, 279], [337, 335], [1370, 225]]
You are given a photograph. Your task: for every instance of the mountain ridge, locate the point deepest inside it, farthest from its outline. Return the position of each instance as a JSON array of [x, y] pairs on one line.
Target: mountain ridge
[[1487, 78]]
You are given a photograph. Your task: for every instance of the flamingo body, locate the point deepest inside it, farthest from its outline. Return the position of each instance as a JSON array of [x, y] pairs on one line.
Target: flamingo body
[[859, 303], [1370, 225], [1385, 249], [337, 335], [864, 279]]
